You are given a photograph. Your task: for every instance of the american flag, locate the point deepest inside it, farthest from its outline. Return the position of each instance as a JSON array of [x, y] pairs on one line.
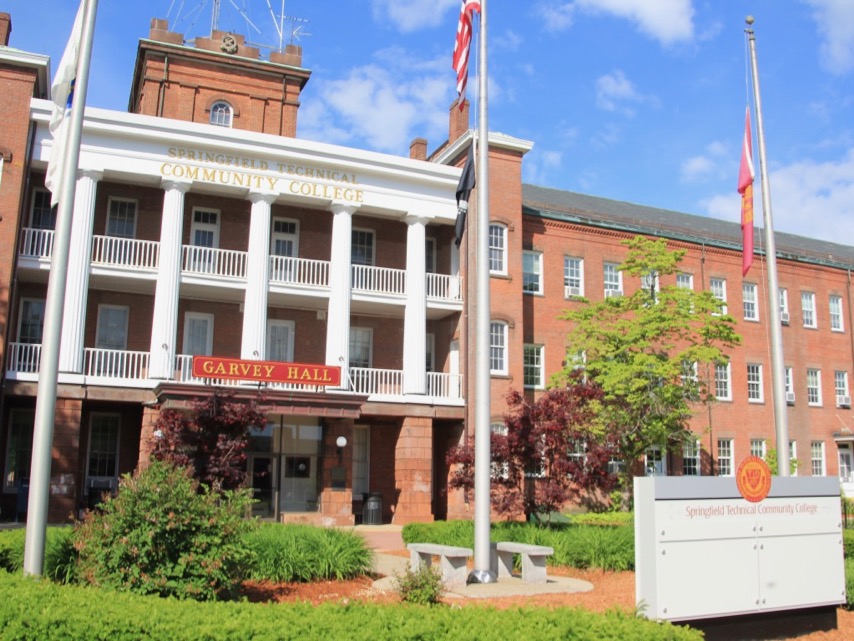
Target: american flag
[[463, 44]]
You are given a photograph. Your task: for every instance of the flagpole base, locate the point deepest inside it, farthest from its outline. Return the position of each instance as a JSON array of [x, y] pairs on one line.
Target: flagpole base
[[481, 576]]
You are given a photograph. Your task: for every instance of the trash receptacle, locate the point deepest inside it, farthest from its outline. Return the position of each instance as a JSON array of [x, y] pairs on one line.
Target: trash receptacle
[[372, 513], [23, 499]]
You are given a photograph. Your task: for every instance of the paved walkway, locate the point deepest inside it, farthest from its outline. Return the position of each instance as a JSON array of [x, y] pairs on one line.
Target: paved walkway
[[386, 538]]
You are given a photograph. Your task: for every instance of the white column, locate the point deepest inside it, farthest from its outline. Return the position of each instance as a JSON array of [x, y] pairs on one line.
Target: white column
[[164, 326], [338, 314], [253, 343], [415, 315], [77, 283]]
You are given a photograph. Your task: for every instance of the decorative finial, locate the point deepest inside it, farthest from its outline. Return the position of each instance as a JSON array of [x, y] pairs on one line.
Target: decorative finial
[[749, 20]]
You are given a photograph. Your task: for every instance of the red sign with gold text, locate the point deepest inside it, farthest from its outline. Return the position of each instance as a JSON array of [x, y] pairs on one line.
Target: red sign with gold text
[[753, 479], [266, 371]]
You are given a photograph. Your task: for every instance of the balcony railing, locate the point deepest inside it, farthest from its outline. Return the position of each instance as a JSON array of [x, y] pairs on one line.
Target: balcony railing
[[444, 385], [223, 263], [378, 280], [113, 363], [36, 243], [445, 288], [382, 382], [302, 272], [125, 252], [23, 358]]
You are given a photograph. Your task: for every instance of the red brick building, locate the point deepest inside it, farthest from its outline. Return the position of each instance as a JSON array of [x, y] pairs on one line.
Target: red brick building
[[203, 227]]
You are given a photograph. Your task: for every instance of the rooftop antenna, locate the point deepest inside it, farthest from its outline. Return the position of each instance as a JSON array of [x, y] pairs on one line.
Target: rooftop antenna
[[279, 20]]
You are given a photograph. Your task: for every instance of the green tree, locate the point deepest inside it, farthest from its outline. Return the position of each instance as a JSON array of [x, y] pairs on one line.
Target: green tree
[[652, 353]]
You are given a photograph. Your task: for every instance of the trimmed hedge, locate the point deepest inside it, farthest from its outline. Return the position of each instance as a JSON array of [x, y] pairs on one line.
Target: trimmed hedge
[[41, 611]]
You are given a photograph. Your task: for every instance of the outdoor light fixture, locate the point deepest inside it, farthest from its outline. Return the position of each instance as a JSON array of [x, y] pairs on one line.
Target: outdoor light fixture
[[341, 442]]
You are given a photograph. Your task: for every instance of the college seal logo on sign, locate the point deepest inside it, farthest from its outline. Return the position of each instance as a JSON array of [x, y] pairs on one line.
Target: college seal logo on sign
[[753, 479]]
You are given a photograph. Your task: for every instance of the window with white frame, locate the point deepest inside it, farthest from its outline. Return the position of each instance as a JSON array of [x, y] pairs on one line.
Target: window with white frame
[[498, 347], [577, 452], [846, 463], [835, 303], [613, 279], [280, 340], [725, 457], [362, 247], [284, 237], [754, 383], [758, 447], [19, 448], [723, 390], [532, 272], [573, 276], [198, 334], [361, 346], [790, 389], [840, 384], [112, 329], [749, 301], [783, 295], [121, 218], [103, 460], [685, 281], [497, 248], [42, 215], [361, 460], [655, 463], [533, 367], [691, 458], [808, 309], [31, 321], [814, 386], [204, 231], [817, 459], [650, 284], [718, 288], [221, 114], [499, 469]]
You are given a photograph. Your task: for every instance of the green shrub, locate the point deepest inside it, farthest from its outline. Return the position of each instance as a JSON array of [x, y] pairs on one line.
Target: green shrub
[[603, 518], [848, 543], [849, 583], [42, 611], [60, 557], [457, 533], [305, 553], [420, 587], [162, 535]]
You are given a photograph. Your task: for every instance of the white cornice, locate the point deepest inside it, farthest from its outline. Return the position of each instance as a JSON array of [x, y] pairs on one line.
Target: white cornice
[[496, 140], [37, 61]]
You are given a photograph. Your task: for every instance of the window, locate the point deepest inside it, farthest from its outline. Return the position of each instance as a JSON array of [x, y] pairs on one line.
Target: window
[[790, 390], [722, 378], [754, 383], [784, 305], [221, 114], [654, 462], [361, 346], [748, 295], [112, 330], [533, 366], [121, 218], [430, 255], [31, 322], [846, 463], [42, 215], [205, 228], [430, 352], [532, 272], [19, 448], [284, 239], [497, 249], [814, 387], [691, 458], [498, 347], [725, 457], [613, 278], [501, 470], [817, 463], [840, 384], [103, 446], [836, 314], [280, 340], [573, 276], [198, 334], [808, 309], [361, 460], [650, 284], [758, 447], [718, 288], [685, 281], [362, 247]]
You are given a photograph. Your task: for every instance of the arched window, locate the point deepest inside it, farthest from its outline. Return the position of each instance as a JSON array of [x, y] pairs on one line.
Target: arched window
[[221, 113]]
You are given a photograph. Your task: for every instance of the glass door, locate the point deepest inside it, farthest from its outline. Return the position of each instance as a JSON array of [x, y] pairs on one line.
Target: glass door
[[262, 474]]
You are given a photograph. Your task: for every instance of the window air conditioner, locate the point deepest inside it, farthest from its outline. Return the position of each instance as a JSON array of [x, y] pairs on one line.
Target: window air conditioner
[[571, 291], [843, 401], [790, 398], [784, 318], [613, 293]]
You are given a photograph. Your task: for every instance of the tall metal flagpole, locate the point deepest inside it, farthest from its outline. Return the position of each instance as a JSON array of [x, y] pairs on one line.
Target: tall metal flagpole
[[482, 572], [49, 365], [778, 373]]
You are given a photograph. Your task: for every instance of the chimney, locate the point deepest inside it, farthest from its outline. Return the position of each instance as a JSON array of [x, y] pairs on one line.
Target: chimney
[[159, 32], [418, 149], [292, 56], [459, 121], [5, 28]]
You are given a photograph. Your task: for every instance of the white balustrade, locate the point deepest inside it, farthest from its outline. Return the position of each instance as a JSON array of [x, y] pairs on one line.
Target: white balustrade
[[23, 358], [36, 243], [115, 363], [225, 263], [125, 252], [382, 382], [442, 385], [444, 287], [303, 272], [379, 280]]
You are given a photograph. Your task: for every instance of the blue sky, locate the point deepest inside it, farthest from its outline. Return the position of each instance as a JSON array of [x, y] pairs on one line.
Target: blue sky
[[636, 100]]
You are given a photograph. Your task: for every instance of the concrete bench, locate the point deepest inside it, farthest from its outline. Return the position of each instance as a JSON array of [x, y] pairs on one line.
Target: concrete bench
[[533, 560], [452, 560]]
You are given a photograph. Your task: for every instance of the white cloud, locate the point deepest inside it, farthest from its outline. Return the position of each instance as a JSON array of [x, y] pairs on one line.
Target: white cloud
[[412, 15], [614, 92], [667, 21], [712, 163], [810, 199], [539, 163], [835, 20]]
